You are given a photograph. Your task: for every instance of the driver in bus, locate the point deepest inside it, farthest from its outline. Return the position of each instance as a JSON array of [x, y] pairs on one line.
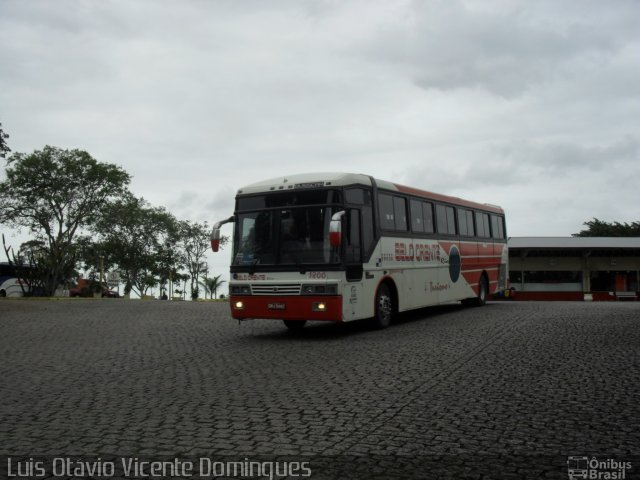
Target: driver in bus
[[292, 243]]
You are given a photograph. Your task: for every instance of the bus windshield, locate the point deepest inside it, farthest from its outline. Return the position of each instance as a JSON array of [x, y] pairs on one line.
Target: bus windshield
[[284, 236]]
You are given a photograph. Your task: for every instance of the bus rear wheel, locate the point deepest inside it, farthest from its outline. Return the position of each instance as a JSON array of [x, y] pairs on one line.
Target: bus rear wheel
[[384, 307], [481, 298], [483, 291], [295, 325]]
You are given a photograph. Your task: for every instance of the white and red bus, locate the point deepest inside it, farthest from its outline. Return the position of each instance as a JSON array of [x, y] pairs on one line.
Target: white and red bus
[[343, 247], [12, 284]]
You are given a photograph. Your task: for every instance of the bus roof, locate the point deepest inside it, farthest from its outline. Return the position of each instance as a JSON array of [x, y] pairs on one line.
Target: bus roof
[[306, 180], [339, 179]]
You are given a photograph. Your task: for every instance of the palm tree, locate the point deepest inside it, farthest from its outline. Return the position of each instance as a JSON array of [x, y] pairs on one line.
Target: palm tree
[[212, 285]]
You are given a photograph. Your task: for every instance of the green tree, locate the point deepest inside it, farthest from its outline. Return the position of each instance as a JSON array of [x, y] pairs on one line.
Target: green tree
[[169, 258], [136, 237], [179, 279], [212, 285], [599, 228], [4, 148], [95, 258], [194, 242], [55, 194]]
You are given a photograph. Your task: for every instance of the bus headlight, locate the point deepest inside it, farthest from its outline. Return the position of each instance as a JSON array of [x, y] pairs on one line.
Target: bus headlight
[[319, 307], [239, 305]]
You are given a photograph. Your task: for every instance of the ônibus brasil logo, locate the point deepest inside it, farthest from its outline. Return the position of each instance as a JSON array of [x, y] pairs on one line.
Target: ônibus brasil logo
[[582, 467]]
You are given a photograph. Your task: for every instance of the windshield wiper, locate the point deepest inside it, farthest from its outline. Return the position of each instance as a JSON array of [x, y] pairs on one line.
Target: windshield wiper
[[252, 268], [303, 269], [298, 263]]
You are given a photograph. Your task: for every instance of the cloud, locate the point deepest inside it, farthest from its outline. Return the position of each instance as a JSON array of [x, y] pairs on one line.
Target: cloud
[[531, 105], [504, 48], [546, 188], [562, 157]]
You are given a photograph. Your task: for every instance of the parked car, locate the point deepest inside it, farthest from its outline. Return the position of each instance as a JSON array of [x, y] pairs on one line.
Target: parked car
[[86, 288], [107, 292]]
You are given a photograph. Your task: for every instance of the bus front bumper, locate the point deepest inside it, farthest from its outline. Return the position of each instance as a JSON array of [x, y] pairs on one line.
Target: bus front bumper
[[286, 307]]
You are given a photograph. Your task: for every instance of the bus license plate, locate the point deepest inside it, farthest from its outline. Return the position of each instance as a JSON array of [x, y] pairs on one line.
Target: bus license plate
[[277, 306]]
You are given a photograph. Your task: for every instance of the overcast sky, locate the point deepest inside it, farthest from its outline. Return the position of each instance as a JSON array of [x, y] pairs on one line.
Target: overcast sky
[[531, 105]]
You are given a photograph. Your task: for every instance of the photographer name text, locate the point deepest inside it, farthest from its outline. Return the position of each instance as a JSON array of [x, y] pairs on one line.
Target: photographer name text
[[134, 467]]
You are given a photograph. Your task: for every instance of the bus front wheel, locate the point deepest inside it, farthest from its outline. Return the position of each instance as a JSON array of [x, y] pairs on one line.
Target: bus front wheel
[[384, 307]]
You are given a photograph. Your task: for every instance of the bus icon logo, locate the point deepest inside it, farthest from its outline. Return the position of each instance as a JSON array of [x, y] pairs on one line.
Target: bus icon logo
[[578, 467]]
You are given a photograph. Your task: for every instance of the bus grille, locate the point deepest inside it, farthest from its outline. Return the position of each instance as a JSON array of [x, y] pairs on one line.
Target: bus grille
[[279, 289]]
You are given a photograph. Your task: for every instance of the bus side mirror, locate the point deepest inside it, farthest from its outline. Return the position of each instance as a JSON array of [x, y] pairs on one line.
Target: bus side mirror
[[215, 239], [335, 229], [215, 233]]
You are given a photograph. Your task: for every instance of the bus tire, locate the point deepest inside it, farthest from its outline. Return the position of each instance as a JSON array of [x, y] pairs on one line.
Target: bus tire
[[294, 325], [483, 291], [384, 307]]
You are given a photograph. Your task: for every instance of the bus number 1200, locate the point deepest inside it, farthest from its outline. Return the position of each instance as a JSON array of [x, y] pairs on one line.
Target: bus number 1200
[[318, 275]]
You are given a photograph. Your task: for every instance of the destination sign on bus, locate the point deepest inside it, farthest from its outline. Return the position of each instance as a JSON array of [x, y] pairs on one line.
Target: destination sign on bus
[[419, 252]]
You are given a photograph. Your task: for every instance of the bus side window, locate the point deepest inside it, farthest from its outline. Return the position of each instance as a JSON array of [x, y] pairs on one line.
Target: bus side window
[[451, 221], [387, 218], [462, 222], [497, 226], [427, 215], [446, 218], [479, 225], [470, 230], [400, 212], [421, 216], [393, 212], [441, 217], [417, 220], [482, 225], [465, 223]]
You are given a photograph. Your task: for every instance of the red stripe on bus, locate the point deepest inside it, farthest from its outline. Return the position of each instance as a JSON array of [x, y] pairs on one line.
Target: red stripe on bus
[[473, 278], [285, 307]]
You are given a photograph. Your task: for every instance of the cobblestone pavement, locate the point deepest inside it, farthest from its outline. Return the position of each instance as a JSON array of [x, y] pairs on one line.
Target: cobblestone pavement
[[505, 391]]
